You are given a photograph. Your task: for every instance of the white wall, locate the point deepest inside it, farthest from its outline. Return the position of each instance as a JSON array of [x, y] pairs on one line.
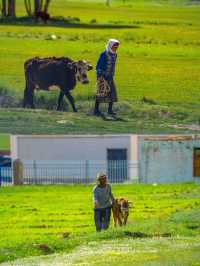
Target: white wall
[[167, 159], [94, 147], [74, 148]]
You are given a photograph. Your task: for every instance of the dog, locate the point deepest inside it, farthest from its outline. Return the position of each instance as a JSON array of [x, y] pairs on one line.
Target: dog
[[120, 210]]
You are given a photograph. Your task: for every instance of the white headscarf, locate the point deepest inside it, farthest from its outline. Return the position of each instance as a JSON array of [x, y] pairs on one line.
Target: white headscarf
[[110, 44]]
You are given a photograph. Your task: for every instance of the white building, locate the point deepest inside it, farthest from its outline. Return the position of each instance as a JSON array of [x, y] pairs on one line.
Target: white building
[[131, 158]]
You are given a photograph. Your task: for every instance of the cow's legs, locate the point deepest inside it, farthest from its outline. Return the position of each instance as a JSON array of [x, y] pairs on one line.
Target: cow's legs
[[115, 220], [125, 220], [60, 98], [28, 96], [71, 100], [32, 99], [119, 220], [25, 99]]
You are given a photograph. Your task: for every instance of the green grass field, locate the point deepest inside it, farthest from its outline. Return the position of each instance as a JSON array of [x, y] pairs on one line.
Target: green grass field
[[165, 218], [4, 142], [159, 59]]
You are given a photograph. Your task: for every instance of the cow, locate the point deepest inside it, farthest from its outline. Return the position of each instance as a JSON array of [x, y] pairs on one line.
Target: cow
[[42, 73], [120, 210]]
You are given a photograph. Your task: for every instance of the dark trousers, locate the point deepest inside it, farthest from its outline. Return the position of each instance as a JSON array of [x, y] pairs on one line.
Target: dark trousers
[[102, 218]]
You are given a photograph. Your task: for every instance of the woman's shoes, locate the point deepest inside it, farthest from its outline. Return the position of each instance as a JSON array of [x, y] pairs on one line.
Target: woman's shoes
[[111, 113]]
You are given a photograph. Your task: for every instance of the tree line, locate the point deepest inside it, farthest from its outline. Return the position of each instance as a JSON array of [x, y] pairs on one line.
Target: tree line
[[8, 7]]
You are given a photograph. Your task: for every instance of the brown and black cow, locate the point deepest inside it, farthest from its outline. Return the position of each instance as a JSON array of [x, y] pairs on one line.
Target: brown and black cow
[[42, 73]]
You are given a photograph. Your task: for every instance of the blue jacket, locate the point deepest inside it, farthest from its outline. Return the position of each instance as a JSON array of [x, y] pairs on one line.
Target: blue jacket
[[106, 65]]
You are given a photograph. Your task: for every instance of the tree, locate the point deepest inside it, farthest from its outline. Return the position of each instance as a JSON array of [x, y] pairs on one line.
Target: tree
[[8, 8], [3, 9], [27, 4], [11, 8], [39, 5], [46, 5]]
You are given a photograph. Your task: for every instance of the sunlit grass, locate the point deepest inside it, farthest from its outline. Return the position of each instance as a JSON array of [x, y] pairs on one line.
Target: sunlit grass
[[158, 60], [32, 215], [4, 142]]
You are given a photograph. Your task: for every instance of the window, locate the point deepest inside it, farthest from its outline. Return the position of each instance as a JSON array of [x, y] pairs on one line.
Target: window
[[117, 165]]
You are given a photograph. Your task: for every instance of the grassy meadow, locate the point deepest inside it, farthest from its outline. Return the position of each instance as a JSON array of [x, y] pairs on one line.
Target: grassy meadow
[[157, 72], [163, 226], [4, 142]]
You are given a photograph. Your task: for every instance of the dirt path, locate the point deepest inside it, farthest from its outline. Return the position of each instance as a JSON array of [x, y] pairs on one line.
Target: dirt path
[[140, 252]]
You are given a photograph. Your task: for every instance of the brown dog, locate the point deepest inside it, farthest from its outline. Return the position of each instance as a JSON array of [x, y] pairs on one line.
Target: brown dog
[[120, 210]]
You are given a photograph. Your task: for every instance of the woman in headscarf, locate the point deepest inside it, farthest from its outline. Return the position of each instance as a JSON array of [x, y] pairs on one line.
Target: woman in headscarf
[[105, 69]]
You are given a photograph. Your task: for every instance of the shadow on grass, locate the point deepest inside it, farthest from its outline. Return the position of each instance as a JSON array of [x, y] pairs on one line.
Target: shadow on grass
[[68, 22], [144, 235]]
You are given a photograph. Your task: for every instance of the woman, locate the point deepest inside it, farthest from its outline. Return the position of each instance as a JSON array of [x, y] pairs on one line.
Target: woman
[[103, 199], [105, 69]]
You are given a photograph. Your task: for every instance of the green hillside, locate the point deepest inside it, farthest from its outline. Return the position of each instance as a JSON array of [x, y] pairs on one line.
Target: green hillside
[[158, 60], [4, 142]]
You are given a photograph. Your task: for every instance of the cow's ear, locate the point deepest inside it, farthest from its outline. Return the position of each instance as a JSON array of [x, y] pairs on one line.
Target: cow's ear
[[89, 67]]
